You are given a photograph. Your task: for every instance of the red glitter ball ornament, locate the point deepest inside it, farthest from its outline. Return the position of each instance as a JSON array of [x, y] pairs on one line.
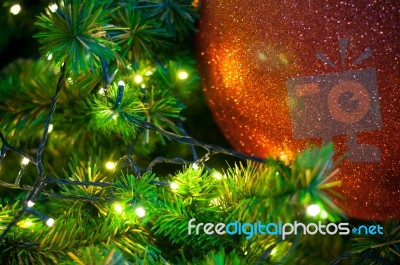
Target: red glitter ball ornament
[[280, 74]]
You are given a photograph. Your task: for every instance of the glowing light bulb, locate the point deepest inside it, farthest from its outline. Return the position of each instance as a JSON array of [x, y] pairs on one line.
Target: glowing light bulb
[[273, 251], [101, 91], [143, 86], [114, 116], [121, 83], [214, 201], [50, 56], [25, 161], [195, 166], [140, 211], [174, 186], [217, 175], [25, 223], [15, 9], [313, 210], [30, 203], [50, 222], [110, 165], [51, 127], [324, 214], [183, 75], [53, 8], [118, 208], [138, 79], [70, 80], [148, 73]]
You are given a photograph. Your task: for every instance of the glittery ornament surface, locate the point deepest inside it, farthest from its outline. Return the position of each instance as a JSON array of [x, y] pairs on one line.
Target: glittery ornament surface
[[251, 51]]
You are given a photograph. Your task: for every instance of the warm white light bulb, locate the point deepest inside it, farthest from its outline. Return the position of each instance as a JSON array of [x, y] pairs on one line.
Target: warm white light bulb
[[110, 165], [140, 211], [273, 251], [25, 161], [50, 128], [183, 75], [25, 223], [324, 214], [138, 79], [148, 73], [214, 201], [313, 210], [114, 116], [50, 56], [101, 91], [143, 86], [53, 8], [50, 222], [15, 9], [174, 186], [217, 175], [70, 80], [121, 83], [195, 166], [118, 208], [30, 203]]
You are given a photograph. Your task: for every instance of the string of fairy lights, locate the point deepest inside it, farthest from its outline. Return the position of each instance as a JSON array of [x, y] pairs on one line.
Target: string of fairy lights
[[145, 125]]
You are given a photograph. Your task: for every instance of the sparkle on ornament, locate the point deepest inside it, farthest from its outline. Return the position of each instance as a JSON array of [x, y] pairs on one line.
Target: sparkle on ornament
[[110, 165], [313, 210], [183, 75], [284, 157], [138, 79], [15, 9], [255, 117], [140, 211], [50, 222]]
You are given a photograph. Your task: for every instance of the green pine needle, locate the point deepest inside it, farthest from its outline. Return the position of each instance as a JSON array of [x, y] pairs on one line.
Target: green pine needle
[[106, 117], [139, 37], [76, 34], [177, 16]]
